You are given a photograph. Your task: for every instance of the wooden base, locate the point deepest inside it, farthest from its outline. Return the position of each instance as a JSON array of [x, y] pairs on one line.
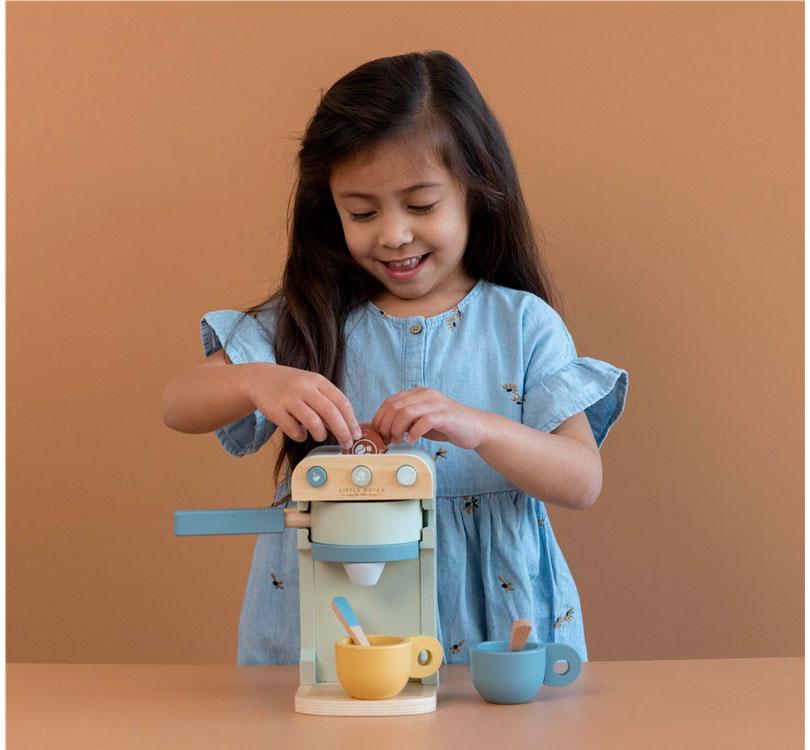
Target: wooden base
[[330, 699]]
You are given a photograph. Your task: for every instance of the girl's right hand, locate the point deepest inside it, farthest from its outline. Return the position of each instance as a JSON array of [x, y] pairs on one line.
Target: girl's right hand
[[298, 401]]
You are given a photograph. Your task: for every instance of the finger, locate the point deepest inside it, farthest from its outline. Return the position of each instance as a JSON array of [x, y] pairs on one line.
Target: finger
[[379, 416], [425, 424], [291, 427], [394, 399], [309, 418], [393, 410], [332, 417], [385, 416], [392, 402], [407, 416], [343, 404]]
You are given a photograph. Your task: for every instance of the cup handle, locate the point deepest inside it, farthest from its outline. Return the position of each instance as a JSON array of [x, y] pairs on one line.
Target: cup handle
[[560, 652], [435, 655]]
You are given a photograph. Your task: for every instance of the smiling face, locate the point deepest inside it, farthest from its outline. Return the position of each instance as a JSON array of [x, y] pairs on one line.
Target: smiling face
[[406, 222]]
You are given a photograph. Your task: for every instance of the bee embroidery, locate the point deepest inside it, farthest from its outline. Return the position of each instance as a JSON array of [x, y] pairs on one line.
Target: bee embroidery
[[470, 504], [451, 321], [277, 584], [540, 520], [441, 453], [456, 647], [567, 617], [505, 585], [513, 389]]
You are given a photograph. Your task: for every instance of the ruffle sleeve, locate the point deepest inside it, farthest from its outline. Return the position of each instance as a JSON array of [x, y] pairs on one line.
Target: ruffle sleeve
[[559, 384], [244, 340]]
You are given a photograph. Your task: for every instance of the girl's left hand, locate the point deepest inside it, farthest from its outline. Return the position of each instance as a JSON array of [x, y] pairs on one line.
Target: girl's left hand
[[423, 412]]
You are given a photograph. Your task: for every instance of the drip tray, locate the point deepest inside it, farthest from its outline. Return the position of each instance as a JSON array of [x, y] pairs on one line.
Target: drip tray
[[330, 699]]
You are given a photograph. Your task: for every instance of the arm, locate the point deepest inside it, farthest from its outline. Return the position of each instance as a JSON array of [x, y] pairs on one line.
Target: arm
[[562, 467], [215, 393], [208, 396]]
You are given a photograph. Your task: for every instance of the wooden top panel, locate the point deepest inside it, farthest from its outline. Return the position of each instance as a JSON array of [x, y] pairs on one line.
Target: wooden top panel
[[383, 484]]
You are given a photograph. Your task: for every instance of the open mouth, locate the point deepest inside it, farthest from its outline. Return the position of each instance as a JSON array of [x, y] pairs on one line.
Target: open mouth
[[406, 264]]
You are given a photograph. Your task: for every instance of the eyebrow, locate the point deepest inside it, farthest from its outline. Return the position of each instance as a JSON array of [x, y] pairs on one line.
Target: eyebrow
[[411, 189]]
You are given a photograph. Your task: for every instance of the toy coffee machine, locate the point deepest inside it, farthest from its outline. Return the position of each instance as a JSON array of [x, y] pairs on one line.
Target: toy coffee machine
[[366, 526]]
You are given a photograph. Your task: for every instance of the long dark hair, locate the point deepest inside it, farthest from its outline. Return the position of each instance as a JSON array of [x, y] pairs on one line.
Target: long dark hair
[[427, 95]]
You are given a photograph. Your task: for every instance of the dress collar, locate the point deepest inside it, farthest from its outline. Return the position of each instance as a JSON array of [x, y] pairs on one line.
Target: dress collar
[[433, 320]]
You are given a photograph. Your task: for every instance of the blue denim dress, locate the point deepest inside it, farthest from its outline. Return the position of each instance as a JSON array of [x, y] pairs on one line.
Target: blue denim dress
[[498, 560]]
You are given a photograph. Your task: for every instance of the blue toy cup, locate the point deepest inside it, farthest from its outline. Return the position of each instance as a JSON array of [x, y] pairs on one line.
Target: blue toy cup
[[504, 676]]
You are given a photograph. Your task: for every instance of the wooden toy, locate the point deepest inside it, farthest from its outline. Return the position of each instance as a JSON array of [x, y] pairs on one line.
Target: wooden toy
[[381, 670], [370, 442], [501, 675], [519, 635], [366, 531], [348, 619]]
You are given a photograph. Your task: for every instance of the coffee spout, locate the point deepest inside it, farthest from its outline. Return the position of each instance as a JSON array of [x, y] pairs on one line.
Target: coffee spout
[[364, 574]]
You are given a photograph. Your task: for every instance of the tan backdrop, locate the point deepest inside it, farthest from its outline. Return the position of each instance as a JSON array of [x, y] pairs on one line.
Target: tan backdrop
[[151, 150]]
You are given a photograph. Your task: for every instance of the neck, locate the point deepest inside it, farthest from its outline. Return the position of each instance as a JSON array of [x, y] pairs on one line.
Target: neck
[[434, 303]]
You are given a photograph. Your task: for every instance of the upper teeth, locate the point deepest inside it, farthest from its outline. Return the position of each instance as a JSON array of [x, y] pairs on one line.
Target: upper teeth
[[409, 263]]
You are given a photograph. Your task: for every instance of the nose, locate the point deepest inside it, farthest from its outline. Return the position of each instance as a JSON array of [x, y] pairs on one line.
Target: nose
[[395, 231]]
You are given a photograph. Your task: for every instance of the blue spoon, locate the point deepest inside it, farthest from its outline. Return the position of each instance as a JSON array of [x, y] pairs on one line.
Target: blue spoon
[[348, 619]]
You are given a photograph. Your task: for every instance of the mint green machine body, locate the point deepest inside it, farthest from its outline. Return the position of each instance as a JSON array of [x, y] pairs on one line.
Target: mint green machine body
[[366, 528], [360, 527]]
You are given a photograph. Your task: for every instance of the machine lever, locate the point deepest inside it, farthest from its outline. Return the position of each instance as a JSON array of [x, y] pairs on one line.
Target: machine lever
[[238, 521]]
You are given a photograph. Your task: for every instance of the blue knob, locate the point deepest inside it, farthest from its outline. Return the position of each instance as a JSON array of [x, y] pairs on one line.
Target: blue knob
[[316, 476], [406, 475], [361, 475]]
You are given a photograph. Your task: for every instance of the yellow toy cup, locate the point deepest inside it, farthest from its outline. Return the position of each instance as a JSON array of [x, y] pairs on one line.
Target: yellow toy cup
[[382, 669]]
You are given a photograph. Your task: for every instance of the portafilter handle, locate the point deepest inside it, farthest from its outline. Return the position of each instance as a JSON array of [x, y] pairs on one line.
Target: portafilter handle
[[238, 521]]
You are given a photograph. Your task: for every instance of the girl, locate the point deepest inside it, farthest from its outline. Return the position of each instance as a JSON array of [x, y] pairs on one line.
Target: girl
[[414, 298]]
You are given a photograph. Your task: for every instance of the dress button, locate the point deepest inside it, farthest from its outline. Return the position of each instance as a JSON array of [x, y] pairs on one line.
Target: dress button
[[416, 328]]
